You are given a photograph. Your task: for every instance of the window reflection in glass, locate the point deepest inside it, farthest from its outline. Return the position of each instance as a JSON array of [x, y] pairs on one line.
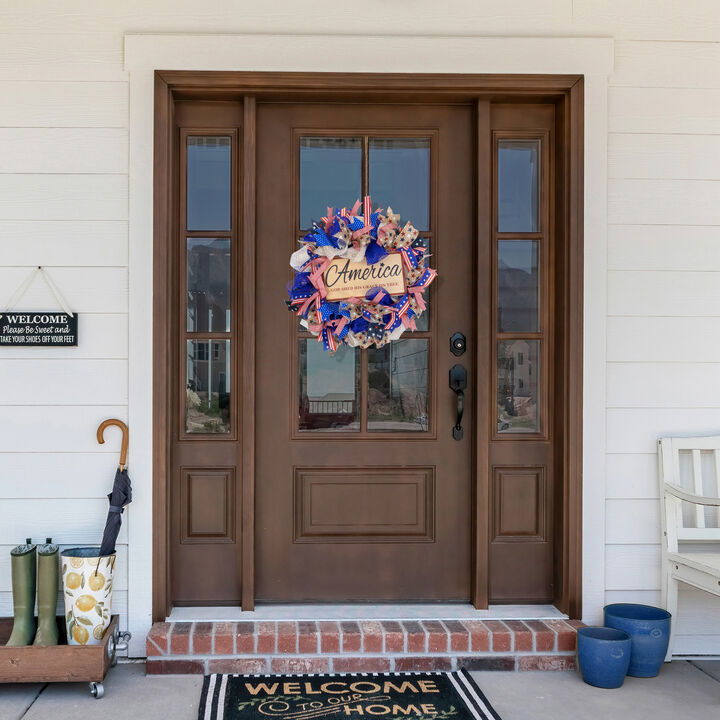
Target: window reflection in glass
[[208, 284], [208, 182], [518, 185], [518, 371], [329, 388], [207, 405], [517, 286], [400, 177], [330, 174], [398, 386]]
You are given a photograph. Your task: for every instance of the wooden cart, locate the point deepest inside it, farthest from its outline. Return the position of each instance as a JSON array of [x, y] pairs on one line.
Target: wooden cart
[[61, 663]]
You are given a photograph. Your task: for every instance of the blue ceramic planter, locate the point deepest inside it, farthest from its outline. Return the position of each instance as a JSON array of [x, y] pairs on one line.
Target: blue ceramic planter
[[649, 630], [603, 656]]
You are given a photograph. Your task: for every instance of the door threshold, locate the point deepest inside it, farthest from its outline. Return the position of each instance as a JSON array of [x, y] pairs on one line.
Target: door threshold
[[419, 611]]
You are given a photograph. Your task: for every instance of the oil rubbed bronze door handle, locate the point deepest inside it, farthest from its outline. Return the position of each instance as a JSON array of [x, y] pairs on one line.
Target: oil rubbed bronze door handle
[[458, 384]]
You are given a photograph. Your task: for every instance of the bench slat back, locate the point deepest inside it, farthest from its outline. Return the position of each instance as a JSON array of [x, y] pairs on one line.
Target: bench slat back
[[693, 463]]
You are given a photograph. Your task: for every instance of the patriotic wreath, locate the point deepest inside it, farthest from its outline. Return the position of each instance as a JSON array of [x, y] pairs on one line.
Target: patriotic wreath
[[346, 252]]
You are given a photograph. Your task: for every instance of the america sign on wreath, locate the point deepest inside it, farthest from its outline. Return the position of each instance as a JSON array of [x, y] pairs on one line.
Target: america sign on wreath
[[359, 279]]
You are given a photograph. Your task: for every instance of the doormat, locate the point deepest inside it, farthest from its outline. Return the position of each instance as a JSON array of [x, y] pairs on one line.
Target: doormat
[[357, 696]]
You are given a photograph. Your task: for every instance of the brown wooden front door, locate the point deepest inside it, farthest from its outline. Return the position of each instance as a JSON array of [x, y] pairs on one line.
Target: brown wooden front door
[[362, 492], [357, 489]]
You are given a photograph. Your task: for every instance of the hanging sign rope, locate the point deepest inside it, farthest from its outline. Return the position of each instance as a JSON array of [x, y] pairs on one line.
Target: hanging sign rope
[[38, 327], [359, 279]]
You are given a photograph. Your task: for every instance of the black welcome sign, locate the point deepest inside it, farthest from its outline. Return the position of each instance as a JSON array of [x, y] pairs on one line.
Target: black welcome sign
[[39, 327]]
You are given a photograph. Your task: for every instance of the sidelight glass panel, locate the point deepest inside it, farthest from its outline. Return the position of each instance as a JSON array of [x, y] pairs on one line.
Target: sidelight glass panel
[[330, 174], [207, 404], [400, 177], [329, 388], [208, 284], [517, 286], [518, 378], [398, 386], [517, 185], [208, 182]]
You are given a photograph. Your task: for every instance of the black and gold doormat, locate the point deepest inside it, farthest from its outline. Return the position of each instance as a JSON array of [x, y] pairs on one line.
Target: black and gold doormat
[[358, 696]]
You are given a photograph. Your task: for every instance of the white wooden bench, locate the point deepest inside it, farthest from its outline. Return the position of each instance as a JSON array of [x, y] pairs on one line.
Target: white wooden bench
[[689, 475]]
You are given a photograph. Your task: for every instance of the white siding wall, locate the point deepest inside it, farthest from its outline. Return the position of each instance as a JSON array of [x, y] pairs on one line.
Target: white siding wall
[[63, 204]]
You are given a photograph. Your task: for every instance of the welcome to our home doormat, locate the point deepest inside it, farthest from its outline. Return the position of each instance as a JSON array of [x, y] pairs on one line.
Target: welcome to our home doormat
[[359, 696]]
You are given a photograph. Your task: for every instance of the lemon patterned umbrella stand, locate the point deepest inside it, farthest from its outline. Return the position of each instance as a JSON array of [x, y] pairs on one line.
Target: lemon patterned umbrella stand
[[87, 590]]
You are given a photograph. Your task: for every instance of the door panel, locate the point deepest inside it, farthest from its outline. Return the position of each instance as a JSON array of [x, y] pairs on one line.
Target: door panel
[[521, 445], [362, 493]]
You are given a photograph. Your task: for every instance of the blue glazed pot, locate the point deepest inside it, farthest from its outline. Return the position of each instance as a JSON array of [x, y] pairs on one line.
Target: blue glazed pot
[[649, 630], [603, 656]]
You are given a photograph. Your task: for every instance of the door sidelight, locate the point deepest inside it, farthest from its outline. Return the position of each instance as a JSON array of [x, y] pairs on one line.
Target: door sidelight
[[458, 383]]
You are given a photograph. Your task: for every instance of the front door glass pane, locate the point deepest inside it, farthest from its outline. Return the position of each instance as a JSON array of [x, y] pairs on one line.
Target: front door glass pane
[[517, 280], [208, 182], [207, 404], [518, 371], [330, 175], [518, 185], [398, 387], [208, 284], [329, 388], [400, 177]]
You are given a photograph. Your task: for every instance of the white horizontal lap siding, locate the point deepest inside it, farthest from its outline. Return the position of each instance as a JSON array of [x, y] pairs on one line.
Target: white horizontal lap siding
[[663, 333]]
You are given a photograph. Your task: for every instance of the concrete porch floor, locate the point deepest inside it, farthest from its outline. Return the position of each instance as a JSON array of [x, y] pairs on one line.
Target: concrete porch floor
[[684, 689]]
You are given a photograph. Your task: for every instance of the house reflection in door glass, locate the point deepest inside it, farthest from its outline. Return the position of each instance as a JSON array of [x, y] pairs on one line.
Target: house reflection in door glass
[[517, 392], [328, 388], [398, 387], [207, 405], [208, 284]]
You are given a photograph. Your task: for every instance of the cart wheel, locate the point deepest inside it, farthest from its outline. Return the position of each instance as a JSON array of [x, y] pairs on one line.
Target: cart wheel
[[97, 690]]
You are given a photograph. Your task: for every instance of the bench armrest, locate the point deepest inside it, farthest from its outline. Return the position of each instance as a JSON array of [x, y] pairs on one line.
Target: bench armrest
[[678, 492]]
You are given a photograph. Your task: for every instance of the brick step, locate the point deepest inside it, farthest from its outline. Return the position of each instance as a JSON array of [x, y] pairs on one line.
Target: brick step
[[364, 646]]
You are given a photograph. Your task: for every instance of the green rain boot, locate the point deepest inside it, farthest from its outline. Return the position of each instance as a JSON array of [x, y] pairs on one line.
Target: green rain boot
[[47, 632], [23, 560]]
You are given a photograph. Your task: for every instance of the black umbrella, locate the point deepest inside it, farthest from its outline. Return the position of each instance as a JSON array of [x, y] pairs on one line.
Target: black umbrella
[[121, 494]]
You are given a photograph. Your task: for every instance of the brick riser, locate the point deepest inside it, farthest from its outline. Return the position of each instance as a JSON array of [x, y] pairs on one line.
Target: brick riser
[[368, 646]]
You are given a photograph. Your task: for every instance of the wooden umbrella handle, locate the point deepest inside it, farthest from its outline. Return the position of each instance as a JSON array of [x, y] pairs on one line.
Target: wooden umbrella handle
[[125, 438]]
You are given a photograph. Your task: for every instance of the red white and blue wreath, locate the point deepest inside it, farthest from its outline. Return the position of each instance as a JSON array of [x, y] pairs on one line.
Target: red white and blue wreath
[[347, 251]]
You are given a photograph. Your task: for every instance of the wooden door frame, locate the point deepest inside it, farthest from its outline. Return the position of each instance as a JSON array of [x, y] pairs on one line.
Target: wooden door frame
[[566, 92]]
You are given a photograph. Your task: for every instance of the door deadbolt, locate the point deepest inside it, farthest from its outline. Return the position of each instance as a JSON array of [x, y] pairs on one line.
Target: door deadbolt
[[457, 344]]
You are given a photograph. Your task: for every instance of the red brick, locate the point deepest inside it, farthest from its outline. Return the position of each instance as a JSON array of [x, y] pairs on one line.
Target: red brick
[[372, 637], [180, 639], [361, 664], [157, 639], [437, 637], [224, 639], [329, 637], [422, 664], [252, 666], [479, 635], [287, 638], [244, 638], [299, 665], [415, 636], [544, 636], [266, 637], [175, 667], [351, 637], [459, 636], [522, 635], [202, 638], [307, 637], [501, 636], [394, 636], [546, 662], [489, 662], [566, 634]]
